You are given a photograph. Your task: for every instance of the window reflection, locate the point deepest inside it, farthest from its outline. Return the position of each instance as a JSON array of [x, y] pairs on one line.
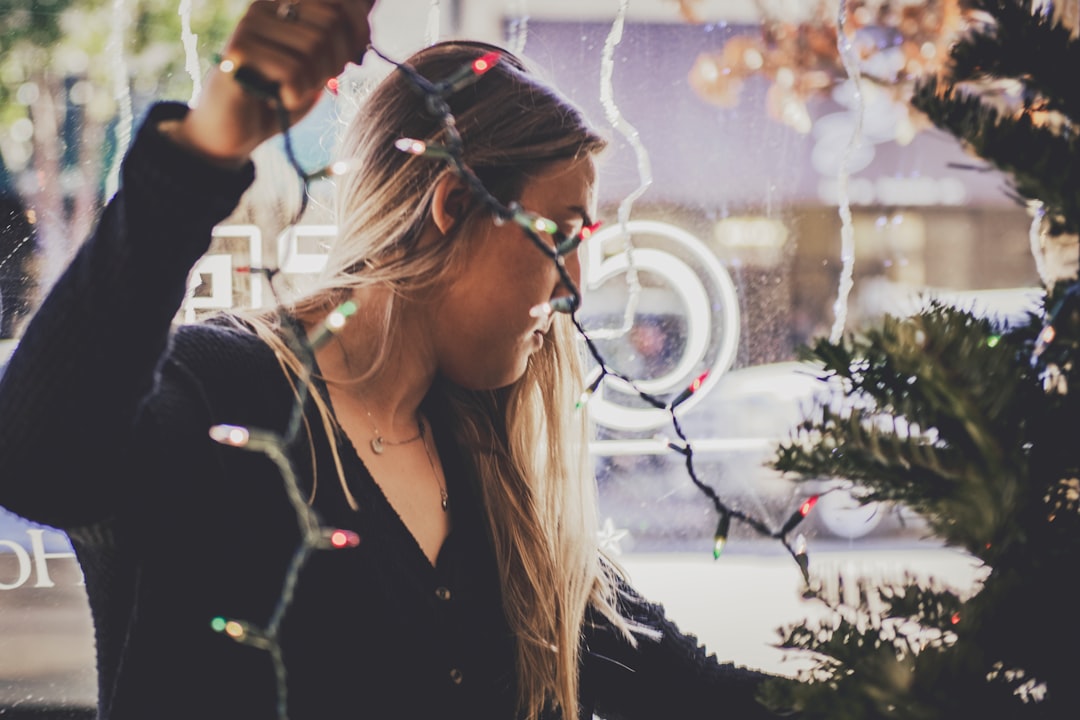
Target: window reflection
[[757, 195]]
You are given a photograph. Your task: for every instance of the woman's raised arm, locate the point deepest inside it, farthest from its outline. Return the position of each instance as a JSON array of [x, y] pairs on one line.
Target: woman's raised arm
[[71, 394]]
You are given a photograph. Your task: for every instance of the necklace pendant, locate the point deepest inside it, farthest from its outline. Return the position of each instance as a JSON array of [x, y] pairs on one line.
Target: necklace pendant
[[377, 445]]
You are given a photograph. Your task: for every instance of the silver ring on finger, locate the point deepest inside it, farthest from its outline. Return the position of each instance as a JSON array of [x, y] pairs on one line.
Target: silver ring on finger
[[288, 11]]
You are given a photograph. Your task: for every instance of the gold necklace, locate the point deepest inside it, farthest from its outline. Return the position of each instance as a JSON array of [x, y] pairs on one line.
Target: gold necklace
[[379, 444], [445, 498]]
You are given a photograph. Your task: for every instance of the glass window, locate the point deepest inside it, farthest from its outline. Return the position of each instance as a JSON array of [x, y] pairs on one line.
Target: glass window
[[738, 140]]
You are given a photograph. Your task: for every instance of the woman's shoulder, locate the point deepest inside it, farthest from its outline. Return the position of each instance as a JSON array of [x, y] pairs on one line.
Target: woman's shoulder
[[218, 338], [223, 352], [220, 367]]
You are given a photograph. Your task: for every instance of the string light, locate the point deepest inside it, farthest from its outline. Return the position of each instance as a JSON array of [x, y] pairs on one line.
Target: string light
[[484, 63], [690, 390], [567, 245], [720, 536], [235, 630], [332, 324], [338, 539], [801, 558], [259, 86], [1046, 336], [242, 632], [469, 74], [588, 393], [333, 170], [421, 148], [233, 435], [799, 515], [537, 223], [565, 304], [544, 225]]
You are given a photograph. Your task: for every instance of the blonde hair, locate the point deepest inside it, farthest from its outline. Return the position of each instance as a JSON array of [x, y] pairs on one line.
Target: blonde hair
[[540, 505]]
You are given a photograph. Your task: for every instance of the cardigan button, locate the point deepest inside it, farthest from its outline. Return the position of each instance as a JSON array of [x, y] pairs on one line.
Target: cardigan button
[[456, 677], [442, 593]]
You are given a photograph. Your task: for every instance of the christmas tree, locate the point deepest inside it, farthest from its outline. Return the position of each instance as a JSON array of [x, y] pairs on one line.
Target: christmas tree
[[970, 423]]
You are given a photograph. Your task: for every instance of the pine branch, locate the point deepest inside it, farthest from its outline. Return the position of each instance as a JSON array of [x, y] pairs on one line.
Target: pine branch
[[1025, 45], [1039, 54], [916, 424], [951, 416], [876, 651], [1042, 163], [961, 501], [972, 427]]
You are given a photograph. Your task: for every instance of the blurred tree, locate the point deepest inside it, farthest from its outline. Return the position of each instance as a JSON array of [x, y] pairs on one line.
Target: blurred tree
[[16, 257], [71, 72]]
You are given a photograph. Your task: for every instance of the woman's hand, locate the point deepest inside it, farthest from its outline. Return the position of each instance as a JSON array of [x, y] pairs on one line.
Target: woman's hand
[[296, 45]]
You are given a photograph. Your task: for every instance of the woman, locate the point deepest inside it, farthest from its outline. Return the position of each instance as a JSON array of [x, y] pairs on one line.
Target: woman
[[438, 423]]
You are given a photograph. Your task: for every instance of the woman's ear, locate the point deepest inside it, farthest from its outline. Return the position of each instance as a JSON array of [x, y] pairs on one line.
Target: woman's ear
[[450, 202]]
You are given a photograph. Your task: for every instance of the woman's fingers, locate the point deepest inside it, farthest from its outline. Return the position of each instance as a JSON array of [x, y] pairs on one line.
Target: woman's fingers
[[288, 48], [299, 45]]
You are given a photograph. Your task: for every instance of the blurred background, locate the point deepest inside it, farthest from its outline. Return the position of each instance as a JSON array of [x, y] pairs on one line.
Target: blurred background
[[745, 147]]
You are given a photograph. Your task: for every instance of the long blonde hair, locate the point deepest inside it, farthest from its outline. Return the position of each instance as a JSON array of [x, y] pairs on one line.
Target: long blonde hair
[[540, 504]]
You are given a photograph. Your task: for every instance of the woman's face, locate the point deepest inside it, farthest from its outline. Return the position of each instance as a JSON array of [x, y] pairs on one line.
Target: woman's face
[[483, 331]]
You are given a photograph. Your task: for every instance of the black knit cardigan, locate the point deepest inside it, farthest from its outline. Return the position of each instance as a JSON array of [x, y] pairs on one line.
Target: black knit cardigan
[[105, 409]]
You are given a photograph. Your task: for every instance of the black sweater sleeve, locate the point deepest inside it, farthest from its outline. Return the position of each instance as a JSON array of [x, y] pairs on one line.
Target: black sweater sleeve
[[71, 393], [668, 674]]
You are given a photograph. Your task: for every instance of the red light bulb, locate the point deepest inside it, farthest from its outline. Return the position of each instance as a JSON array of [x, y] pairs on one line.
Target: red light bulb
[[485, 62], [344, 539]]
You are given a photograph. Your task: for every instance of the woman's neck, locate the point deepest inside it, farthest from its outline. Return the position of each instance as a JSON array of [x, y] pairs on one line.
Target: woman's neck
[[384, 372]]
